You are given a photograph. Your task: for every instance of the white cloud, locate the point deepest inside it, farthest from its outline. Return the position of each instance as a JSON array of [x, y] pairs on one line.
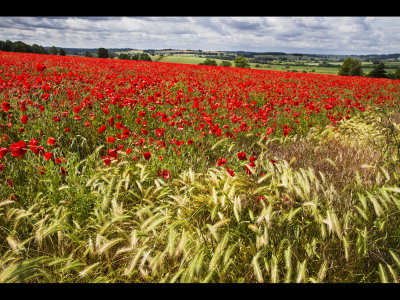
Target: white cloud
[[341, 35]]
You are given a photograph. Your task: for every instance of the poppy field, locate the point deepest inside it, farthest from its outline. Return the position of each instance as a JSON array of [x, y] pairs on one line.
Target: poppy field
[[135, 171]]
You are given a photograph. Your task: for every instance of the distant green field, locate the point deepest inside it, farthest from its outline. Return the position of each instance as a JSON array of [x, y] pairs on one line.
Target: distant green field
[[179, 59], [190, 59]]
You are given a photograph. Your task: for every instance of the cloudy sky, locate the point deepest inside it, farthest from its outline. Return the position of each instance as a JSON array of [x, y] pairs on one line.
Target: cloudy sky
[[318, 35]]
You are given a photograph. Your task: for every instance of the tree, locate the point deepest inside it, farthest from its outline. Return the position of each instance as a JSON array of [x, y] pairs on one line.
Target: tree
[[209, 62], [378, 71], [225, 63], [124, 56], [144, 56], [6, 46], [38, 49], [20, 46], [88, 54], [61, 52], [102, 53], [53, 50], [351, 67], [397, 73], [241, 62]]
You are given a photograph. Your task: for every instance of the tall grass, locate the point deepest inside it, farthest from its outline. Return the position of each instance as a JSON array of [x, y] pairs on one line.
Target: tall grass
[[327, 210]]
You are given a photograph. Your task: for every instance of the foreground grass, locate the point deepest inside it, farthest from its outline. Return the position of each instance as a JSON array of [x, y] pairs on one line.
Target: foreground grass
[[327, 210]]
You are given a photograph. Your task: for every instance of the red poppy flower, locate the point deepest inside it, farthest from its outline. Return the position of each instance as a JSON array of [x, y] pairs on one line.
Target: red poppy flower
[[39, 150], [5, 106], [166, 174], [18, 149], [144, 131], [67, 129], [22, 106], [125, 134], [48, 155], [77, 110], [33, 143], [1, 167], [111, 121], [102, 129], [142, 114], [24, 119], [107, 161], [113, 153], [190, 142], [51, 141], [253, 158], [242, 156], [64, 171], [106, 111], [221, 161], [3, 152], [111, 139], [40, 67], [147, 155], [230, 171], [119, 125]]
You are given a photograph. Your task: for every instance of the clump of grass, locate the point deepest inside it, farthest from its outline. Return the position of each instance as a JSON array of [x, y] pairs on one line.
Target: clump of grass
[[354, 151]]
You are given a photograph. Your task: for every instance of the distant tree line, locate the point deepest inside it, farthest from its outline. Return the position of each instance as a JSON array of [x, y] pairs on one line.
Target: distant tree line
[[239, 62], [20, 46], [213, 62], [104, 53]]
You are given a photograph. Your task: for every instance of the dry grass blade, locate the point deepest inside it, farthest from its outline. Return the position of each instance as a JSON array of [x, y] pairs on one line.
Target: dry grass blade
[[382, 274], [322, 272], [87, 270], [301, 272], [128, 271], [256, 268], [274, 269]]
